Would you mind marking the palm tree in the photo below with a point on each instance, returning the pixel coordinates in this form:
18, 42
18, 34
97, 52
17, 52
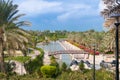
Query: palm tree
109, 41
111, 8
11, 36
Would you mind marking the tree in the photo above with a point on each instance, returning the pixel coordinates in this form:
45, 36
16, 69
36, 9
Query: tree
81, 66
48, 71
64, 66
53, 62
110, 5
11, 36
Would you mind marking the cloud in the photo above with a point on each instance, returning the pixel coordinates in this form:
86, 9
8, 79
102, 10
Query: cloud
77, 11
64, 10
36, 7
101, 6
67, 13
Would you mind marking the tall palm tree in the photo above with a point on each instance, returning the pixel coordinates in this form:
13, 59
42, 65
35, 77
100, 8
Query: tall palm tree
111, 8
109, 41
11, 36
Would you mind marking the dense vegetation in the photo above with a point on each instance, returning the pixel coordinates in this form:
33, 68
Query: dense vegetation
21, 59
54, 71
100, 75
103, 41
12, 37
33, 66
47, 36
48, 71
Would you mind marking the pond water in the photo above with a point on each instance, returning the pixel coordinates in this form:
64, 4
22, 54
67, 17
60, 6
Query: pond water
55, 46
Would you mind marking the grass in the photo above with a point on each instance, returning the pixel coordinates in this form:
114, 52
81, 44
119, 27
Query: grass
100, 75
19, 58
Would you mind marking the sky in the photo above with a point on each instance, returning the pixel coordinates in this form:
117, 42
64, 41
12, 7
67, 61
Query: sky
70, 15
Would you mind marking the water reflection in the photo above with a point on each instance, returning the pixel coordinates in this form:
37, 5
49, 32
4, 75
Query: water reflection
55, 46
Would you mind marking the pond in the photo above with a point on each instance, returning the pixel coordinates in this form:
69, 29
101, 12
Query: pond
55, 46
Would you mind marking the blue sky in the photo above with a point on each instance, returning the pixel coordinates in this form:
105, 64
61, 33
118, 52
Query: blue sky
71, 15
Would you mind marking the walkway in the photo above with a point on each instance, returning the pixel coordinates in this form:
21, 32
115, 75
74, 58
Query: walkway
67, 52
46, 59
19, 68
68, 46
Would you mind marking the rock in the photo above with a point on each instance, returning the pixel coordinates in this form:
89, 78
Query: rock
74, 67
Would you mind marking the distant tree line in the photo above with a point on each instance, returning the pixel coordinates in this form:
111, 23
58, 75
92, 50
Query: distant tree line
103, 41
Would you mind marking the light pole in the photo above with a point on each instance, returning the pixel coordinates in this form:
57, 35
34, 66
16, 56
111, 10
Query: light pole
94, 64
117, 23
113, 16
93, 45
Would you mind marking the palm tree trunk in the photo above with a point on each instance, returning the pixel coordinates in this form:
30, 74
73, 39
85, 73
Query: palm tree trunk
2, 57
2, 65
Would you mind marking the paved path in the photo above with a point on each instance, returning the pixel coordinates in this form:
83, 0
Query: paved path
46, 59
19, 68
36, 53
68, 46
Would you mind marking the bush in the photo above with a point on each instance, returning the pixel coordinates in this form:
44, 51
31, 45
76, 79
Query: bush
19, 58
2, 75
48, 71
104, 75
81, 66
109, 52
33, 66
64, 66
55, 63
101, 74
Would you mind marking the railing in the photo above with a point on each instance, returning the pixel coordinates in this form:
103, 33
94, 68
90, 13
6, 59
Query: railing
67, 52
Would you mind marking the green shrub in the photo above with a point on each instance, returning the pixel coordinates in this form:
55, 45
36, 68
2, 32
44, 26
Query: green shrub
33, 66
56, 64
109, 52
2, 75
64, 66
53, 61
104, 75
81, 66
19, 58
101, 74
48, 71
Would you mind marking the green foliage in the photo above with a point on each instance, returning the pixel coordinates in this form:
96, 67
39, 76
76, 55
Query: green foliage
81, 66
15, 37
19, 58
71, 76
46, 36
64, 66
100, 75
109, 52
48, 71
9, 66
55, 63
2, 75
33, 65
40, 50
103, 40
104, 75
